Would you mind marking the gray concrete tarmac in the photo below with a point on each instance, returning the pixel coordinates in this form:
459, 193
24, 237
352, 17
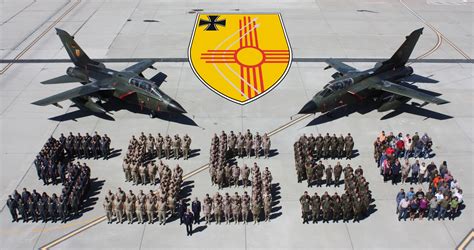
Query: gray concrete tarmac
316, 29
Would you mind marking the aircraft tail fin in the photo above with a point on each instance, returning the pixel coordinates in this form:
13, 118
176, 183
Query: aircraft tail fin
401, 56
77, 55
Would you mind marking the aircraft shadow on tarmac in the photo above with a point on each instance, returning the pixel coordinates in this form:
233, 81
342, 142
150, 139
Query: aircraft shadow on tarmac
369, 106
113, 105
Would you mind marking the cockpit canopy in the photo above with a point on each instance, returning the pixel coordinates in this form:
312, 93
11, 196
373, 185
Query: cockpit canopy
335, 86
146, 85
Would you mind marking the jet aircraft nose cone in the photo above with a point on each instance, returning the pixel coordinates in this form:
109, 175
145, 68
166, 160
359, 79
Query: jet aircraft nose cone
174, 107
309, 108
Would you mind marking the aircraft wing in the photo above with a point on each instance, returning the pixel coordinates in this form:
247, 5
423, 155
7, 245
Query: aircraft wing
69, 94
408, 92
140, 66
62, 79
339, 66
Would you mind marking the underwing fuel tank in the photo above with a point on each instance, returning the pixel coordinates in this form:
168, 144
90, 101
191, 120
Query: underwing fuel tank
88, 104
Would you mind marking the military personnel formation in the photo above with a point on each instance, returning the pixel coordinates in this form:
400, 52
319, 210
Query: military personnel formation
52, 161
87, 146
148, 147
225, 147
309, 148
238, 208
353, 204
151, 173
154, 206
66, 206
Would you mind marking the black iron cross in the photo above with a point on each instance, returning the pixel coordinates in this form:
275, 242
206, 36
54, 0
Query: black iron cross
211, 23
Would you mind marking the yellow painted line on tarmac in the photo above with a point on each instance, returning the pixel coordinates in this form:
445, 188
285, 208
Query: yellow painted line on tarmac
62, 227
441, 37
73, 233
2, 71
465, 242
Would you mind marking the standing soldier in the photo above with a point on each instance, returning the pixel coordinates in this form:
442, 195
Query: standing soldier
319, 146
103, 148
227, 208
248, 145
220, 177
161, 204
22, 209
348, 145
315, 207
328, 175
357, 209
186, 146
167, 146
52, 207
228, 175
196, 208
32, 210
305, 200
326, 207
266, 145
235, 175
236, 207
12, 205
171, 204
85, 145
240, 145
62, 209
340, 146
159, 146
134, 172
142, 170
150, 210
176, 146
129, 210
319, 173
336, 208
127, 170
150, 146
300, 170
333, 146
256, 207
257, 143
119, 207
326, 145
108, 209
346, 208
207, 208
245, 175
309, 173
267, 205
245, 207
232, 143
337, 173
152, 169
217, 208
139, 210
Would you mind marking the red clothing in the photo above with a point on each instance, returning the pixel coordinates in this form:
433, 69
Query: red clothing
389, 151
400, 145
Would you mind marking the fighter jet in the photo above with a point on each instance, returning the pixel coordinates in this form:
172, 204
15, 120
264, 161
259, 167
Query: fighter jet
382, 83
100, 84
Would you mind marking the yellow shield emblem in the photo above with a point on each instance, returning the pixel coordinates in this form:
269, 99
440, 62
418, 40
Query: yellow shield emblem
241, 56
